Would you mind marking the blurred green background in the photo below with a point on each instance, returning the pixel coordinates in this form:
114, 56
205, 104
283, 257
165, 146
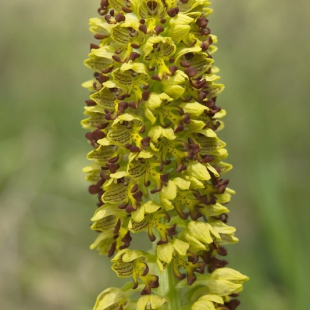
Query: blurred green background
44, 205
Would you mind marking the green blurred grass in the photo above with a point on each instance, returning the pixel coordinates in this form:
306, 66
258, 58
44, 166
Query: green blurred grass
45, 208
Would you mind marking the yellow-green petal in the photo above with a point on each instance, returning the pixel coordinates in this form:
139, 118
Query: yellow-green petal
150, 302
110, 299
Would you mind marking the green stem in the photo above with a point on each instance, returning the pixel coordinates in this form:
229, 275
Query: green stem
167, 283
174, 297
167, 280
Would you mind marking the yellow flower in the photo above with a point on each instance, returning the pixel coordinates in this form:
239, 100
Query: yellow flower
149, 302
207, 302
111, 298
166, 252
157, 160
128, 263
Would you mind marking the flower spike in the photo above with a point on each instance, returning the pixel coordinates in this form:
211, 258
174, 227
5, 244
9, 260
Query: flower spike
157, 161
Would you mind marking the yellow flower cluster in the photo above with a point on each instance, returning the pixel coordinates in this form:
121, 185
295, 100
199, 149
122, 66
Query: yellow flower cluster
157, 162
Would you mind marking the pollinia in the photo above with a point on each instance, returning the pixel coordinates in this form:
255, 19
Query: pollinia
157, 162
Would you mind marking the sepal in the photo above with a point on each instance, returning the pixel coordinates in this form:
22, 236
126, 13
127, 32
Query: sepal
154, 302
111, 299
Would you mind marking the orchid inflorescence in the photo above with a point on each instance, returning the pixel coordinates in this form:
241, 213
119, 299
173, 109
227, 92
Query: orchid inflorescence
157, 162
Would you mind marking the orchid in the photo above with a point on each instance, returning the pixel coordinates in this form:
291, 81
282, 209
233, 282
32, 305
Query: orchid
157, 160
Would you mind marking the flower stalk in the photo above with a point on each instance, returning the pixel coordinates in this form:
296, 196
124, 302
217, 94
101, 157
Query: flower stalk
157, 162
